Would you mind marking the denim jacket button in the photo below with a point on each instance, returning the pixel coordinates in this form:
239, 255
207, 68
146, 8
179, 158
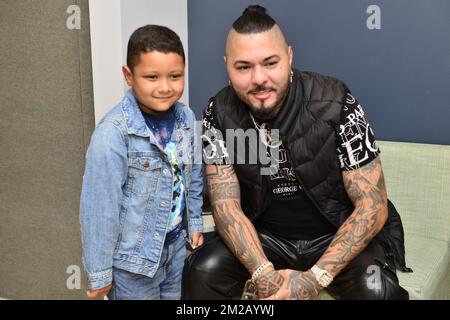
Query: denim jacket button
165, 171
146, 164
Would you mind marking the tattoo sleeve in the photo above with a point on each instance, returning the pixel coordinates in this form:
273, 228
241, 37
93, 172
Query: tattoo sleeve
366, 188
231, 223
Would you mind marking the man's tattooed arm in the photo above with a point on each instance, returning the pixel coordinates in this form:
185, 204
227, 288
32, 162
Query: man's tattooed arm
367, 190
235, 228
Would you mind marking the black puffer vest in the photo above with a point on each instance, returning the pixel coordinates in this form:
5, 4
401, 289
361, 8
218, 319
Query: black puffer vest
307, 123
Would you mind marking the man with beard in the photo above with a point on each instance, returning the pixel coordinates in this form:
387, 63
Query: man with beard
322, 220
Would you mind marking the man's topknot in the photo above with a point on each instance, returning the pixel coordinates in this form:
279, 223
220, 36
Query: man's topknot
254, 19
254, 9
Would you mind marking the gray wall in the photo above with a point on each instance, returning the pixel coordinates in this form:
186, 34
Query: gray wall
46, 120
400, 73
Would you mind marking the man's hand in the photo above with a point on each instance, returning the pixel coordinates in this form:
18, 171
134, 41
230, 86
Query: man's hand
269, 283
96, 293
297, 286
196, 240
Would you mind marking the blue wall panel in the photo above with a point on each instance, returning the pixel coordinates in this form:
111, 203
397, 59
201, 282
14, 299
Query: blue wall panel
400, 73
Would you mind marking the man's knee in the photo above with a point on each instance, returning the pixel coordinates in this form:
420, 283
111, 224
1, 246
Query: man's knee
370, 276
380, 283
212, 272
204, 260
368, 283
197, 272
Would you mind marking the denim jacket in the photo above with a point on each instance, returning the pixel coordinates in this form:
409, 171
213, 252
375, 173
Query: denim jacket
127, 192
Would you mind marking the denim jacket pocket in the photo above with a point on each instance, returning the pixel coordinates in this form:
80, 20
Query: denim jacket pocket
144, 172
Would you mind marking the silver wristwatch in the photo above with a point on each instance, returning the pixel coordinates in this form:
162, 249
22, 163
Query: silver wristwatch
322, 276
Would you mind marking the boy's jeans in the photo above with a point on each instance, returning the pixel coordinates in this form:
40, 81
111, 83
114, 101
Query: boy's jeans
165, 285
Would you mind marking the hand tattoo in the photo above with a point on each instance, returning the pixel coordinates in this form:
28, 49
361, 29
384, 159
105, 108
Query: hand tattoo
301, 285
269, 283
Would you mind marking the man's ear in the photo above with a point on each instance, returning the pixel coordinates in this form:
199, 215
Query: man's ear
127, 74
290, 55
225, 59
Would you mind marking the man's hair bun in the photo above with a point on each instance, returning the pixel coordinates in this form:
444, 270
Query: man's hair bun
254, 19
254, 9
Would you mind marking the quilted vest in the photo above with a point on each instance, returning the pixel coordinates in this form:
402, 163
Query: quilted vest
307, 124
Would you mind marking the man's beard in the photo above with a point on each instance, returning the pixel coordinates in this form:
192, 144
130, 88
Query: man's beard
266, 113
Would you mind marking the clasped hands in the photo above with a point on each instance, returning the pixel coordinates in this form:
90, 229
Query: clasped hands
287, 284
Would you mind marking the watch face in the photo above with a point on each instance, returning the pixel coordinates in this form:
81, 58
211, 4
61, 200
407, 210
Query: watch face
322, 276
325, 280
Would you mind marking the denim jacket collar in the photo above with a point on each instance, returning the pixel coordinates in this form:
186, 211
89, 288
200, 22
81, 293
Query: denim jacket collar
135, 121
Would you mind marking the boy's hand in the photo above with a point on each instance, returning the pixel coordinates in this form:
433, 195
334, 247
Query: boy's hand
96, 293
197, 240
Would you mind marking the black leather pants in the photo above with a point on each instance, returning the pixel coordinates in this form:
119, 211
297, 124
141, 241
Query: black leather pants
213, 272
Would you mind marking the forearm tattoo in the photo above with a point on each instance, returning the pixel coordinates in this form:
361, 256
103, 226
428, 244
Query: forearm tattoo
231, 223
366, 188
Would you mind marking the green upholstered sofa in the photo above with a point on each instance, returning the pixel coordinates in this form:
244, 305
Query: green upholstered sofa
418, 183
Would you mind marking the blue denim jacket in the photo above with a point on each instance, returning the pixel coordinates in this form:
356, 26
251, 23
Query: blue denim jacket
127, 192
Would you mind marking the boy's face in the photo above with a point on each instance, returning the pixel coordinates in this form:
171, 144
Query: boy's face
157, 80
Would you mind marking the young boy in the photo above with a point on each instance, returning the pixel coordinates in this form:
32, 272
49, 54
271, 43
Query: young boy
142, 191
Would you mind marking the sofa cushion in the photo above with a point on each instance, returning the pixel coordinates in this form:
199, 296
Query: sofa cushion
430, 260
418, 183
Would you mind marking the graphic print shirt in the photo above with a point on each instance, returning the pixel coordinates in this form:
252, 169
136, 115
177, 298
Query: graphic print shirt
162, 127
